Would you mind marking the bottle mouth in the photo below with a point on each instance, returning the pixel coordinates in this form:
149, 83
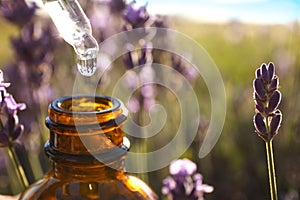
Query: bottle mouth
86, 110
86, 104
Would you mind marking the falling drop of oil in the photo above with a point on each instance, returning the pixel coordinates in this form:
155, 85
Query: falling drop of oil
87, 66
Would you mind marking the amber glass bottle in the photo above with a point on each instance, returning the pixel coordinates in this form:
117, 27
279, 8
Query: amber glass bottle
87, 153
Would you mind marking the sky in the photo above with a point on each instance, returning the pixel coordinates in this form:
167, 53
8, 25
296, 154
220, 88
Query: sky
254, 11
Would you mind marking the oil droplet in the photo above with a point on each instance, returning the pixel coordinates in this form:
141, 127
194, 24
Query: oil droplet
87, 50
87, 66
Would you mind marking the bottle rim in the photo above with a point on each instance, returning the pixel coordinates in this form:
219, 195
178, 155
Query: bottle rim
107, 109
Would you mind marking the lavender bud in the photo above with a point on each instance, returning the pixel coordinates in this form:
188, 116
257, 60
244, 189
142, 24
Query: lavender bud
12, 105
198, 178
260, 125
275, 123
18, 131
258, 98
258, 73
274, 84
274, 101
259, 108
259, 89
168, 185
128, 62
265, 73
12, 120
143, 57
271, 71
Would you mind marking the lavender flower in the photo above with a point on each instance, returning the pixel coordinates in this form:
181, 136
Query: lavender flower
17, 11
268, 117
136, 17
34, 45
33, 68
186, 69
267, 98
34, 52
143, 59
10, 129
184, 182
128, 60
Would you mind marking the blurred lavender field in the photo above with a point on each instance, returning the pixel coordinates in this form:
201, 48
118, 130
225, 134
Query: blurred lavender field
236, 167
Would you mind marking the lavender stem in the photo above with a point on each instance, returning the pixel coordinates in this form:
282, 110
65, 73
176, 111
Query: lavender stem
271, 169
17, 166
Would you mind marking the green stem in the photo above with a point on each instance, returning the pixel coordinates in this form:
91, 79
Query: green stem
18, 167
142, 146
271, 169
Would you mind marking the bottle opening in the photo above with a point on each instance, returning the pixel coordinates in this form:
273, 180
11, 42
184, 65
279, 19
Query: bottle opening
86, 109
85, 104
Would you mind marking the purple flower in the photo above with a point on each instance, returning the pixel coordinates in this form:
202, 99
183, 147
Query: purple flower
200, 188
128, 60
136, 17
186, 69
133, 105
184, 182
146, 54
267, 97
33, 65
10, 129
169, 185
3, 85
34, 46
148, 103
17, 11
182, 167
142, 55
143, 59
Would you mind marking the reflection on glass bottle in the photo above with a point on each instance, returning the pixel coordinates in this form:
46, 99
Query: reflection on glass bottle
87, 153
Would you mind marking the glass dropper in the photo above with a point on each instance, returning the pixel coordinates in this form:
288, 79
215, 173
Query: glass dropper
75, 28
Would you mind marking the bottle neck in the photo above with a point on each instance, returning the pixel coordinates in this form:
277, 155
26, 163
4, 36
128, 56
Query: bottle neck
86, 172
86, 138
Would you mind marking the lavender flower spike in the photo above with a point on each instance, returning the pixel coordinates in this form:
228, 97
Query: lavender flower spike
184, 182
268, 117
17, 11
10, 129
136, 16
267, 97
